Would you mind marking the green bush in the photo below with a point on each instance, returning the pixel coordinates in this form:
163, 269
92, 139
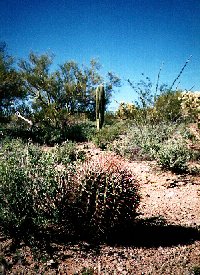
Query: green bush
108, 194
90, 197
109, 133
85, 271
174, 155
164, 142
195, 270
32, 189
168, 106
79, 132
47, 134
143, 141
109, 118
67, 152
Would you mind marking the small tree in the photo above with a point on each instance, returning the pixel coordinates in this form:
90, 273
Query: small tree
65, 92
159, 103
11, 88
168, 106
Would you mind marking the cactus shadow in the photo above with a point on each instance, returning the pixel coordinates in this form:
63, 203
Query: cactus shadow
153, 232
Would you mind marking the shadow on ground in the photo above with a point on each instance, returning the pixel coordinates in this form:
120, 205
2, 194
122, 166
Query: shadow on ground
147, 233
153, 232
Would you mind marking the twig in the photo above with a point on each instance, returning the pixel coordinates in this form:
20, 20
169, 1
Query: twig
25, 119
181, 71
177, 85
158, 78
190, 88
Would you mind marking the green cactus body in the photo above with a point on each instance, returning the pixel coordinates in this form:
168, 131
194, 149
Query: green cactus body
100, 106
109, 194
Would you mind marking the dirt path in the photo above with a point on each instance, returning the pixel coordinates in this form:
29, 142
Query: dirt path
174, 197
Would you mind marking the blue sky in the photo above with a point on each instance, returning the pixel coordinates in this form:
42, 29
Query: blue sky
128, 37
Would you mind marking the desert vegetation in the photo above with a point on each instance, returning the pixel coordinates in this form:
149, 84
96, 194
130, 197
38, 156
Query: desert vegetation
68, 170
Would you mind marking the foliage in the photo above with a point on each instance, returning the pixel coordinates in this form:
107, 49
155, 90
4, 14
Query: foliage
11, 85
164, 142
67, 153
85, 271
174, 155
159, 103
108, 194
110, 118
190, 105
196, 270
168, 106
143, 141
143, 88
31, 188
67, 91
126, 111
55, 187
108, 134
75, 131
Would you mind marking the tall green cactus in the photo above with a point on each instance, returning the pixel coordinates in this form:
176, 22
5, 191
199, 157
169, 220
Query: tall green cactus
100, 106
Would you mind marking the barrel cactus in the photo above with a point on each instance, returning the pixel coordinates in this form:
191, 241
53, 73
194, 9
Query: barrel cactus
108, 194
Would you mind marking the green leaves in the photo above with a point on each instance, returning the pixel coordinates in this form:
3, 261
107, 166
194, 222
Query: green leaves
69, 90
168, 106
30, 187
174, 155
39, 188
168, 143
11, 85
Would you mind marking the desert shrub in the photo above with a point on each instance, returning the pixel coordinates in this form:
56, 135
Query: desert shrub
167, 106
109, 118
174, 155
67, 152
143, 141
109, 133
51, 135
164, 142
89, 197
39, 135
108, 194
17, 132
32, 189
136, 114
190, 106
79, 132
195, 270
126, 110
86, 271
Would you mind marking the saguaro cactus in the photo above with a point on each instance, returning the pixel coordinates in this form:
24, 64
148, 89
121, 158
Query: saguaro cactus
100, 106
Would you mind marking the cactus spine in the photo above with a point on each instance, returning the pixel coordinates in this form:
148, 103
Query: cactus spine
100, 106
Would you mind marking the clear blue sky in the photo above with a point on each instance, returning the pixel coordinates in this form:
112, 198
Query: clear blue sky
128, 37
